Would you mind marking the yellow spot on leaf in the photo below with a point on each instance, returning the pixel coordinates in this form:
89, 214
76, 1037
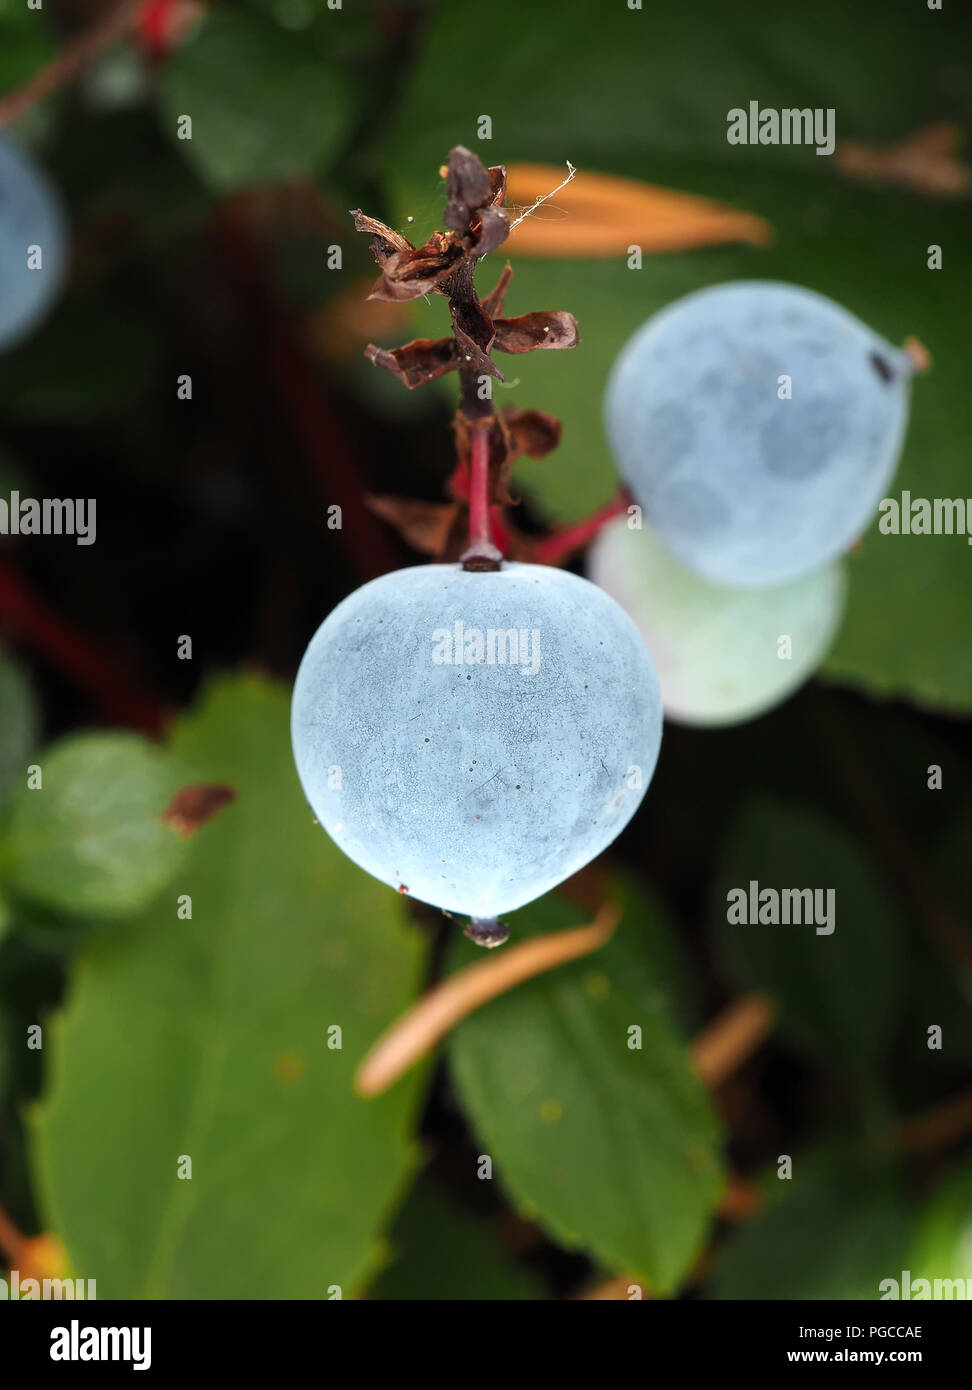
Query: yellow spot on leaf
597, 985
551, 1112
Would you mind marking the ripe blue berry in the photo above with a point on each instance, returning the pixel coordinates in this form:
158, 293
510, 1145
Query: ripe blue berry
33, 244
472, 739
758, 425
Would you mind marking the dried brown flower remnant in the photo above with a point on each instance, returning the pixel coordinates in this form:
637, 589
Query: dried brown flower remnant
192, 806
476, 224
428, 527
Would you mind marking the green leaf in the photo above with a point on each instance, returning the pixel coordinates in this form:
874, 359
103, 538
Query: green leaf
608, 1147
658, 955
265, 106
942, 1244
18, 723
441, 1253
833, 1230
651, 115
90, 840
837, 992
25, 43
653, 85
209, 1038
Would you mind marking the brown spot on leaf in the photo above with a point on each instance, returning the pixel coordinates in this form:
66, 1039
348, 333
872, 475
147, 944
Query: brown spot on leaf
288, 1067
193, 806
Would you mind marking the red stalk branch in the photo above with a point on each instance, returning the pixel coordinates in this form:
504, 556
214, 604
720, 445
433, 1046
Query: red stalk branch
482, 553
30, 621
553, 550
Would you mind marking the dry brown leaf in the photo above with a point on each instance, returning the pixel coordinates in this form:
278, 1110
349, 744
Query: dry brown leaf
426, 526
926, 161
728, 1040
417, 362
602, 215
422, 1026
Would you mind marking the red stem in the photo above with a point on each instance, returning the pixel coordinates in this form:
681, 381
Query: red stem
482, 553
27, 619
479, 490
552, 550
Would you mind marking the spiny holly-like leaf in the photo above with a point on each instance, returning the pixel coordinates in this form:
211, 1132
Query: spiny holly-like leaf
213, 1038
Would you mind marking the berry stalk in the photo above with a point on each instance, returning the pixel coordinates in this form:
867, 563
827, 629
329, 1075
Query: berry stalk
482, 553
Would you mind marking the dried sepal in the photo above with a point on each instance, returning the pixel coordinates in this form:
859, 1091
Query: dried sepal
497, 184
384, 241
472, 212
529, 332
425, 526
495, 300
476, 224
417, 362
416, 270
534, 433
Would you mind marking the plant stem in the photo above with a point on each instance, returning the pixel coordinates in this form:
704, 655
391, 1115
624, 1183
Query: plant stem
482, 553
72, 62
554, 549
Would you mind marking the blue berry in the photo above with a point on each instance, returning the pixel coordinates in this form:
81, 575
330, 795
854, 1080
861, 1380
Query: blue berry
32, 227
723, 655
476, 784
746, 486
